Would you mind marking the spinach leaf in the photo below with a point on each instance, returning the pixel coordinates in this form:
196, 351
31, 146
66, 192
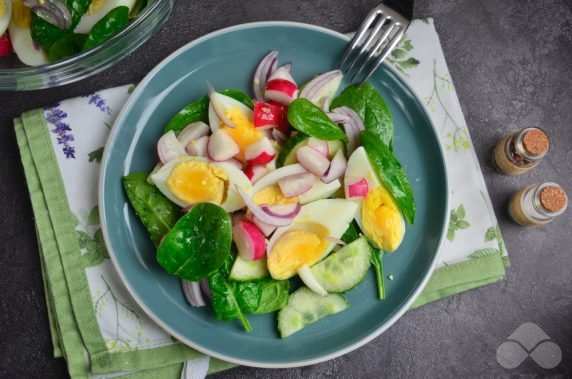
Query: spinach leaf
248, 295
199, 110
376, 261
371, 107
46, 34
112, 23
223, 299
157, 213
198, 244
390, 173
306, 117
274, 295
68, 45
351, 234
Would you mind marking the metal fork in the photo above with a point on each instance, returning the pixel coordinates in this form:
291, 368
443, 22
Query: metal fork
373, 46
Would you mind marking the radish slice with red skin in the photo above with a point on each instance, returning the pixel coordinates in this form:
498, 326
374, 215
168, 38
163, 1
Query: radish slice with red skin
254, 173
221, 146
320, 146
268, 115
297, 184
312, 160
192, 132
337, 167
287, 211
198, 147
259, 152
261, 214
193, 294
168, 147
281, 87
266, 229
357, 189
263, 72
249, 240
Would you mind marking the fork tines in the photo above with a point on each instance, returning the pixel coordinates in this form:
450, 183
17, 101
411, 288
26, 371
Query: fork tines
372, 45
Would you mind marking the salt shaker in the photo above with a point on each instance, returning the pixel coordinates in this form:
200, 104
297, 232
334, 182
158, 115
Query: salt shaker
538, 204
520, 151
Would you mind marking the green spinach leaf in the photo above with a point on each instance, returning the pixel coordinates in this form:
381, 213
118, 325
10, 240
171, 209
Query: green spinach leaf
198, 244
306, 117
376, 261
351, 234
274, 295
199, 110
248, 295
68, 45
371, 107
157, 213
112, 23
390, 173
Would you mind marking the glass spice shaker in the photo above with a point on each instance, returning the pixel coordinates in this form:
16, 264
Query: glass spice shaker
521, 151
538, 204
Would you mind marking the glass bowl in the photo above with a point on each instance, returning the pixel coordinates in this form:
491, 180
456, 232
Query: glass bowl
15, 76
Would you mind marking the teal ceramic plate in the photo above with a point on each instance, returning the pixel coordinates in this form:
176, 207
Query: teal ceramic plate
227, 59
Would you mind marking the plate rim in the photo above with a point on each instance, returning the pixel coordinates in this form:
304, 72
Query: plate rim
167, 328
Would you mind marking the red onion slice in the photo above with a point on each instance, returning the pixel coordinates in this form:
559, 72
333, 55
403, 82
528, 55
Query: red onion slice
192, 291
55, 12
192, 132
262, 74
297, 184
288, 211
168, 147
264, 228
312, 160
204, 284
319, 145
337, 167
352, 124
318, 83
357, 189
261, 214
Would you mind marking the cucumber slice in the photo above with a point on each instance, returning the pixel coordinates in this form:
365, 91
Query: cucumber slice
287, 154
344, 269
243, 270
306, 307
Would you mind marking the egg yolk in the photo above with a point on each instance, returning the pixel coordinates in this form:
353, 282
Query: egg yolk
381, 219
272, 195
21, 14
245, 133
293, 250
94, 6
2, 8
197, 182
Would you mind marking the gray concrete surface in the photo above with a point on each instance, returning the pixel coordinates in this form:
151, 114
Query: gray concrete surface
511, 62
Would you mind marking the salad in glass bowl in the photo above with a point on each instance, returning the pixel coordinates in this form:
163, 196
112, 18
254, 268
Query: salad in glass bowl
281, 203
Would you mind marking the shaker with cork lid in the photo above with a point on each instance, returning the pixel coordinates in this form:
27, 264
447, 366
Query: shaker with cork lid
538, 204
521, 151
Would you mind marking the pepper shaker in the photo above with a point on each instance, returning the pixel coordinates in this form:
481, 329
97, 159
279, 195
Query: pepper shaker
538, 204
521, 151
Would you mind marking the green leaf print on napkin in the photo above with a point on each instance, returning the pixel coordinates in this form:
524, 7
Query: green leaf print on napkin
494, 233
96, 155
400, 58
457, 222
93, 250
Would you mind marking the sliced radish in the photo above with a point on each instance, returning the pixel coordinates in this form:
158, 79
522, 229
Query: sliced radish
235, 162
312, 160
193, 294
168, 147
337, 167
265, 68
319, 145
259, 213
5, 45
287, 66
221, 146
192, 132
249, 240
198, 147
266, 229
357, 189
268, 115
282, 210
254, 173
259, 152
310, 280
297, 184
281, 87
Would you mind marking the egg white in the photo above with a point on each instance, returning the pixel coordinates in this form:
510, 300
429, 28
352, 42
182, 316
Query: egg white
88, 20
227, 103
24, 46
5, 20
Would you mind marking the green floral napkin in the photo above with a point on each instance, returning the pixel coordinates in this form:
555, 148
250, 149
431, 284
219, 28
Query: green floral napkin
101, 331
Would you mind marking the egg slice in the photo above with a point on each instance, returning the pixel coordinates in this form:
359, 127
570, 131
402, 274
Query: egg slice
24, 47
97, 10
266, 190
192, 180
306, 241
378, 216
5, 13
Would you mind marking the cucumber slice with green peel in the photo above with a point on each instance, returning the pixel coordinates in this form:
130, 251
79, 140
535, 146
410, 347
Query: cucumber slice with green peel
243, 270
287, 155
306, 307
344, 269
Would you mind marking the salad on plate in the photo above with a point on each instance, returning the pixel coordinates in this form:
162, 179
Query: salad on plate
39, 32
276, 204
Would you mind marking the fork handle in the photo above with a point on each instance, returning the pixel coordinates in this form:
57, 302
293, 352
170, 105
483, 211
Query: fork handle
404, 7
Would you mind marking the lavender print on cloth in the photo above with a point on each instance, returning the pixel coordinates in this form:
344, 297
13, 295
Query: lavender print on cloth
55, 116
99, 102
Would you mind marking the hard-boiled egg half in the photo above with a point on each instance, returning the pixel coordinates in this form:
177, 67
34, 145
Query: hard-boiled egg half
97, 10
378, 215
307, 240
24, 47
191, 180
5, 13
